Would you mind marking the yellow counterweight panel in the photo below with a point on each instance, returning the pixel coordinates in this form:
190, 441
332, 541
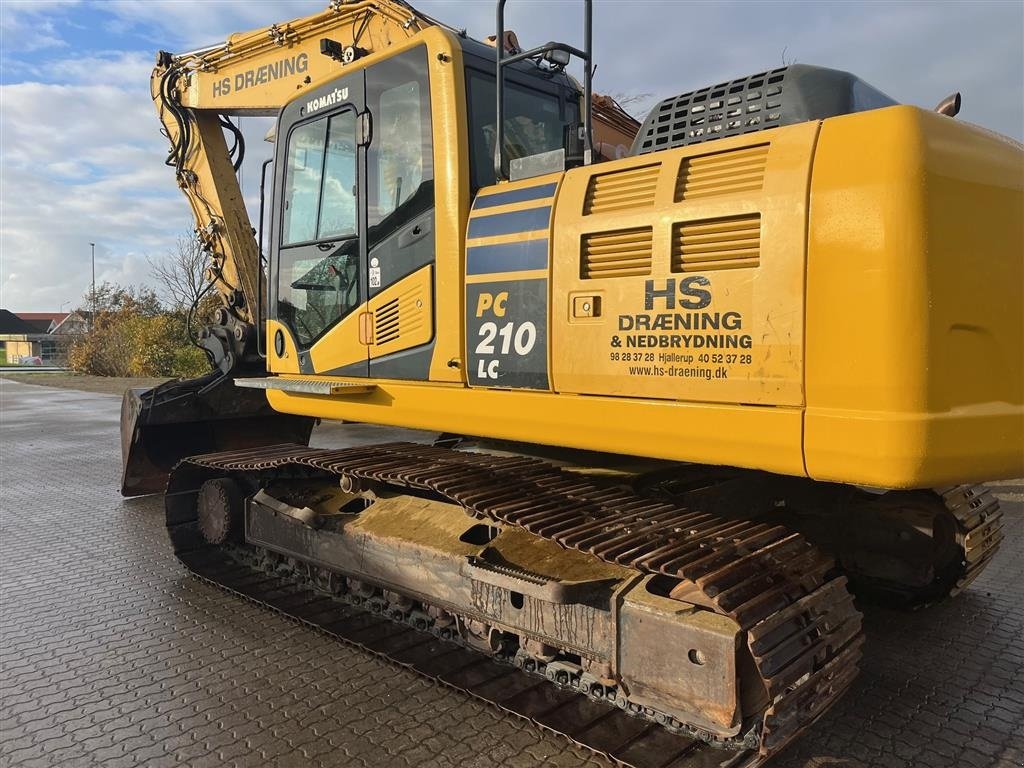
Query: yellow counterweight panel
680, 274
765, 438
914, 302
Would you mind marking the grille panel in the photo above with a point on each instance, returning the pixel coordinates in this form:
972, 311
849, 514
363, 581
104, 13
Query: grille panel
714, 244
622, 253
622, 190
385, 323
727, 109
784, 96
722, 173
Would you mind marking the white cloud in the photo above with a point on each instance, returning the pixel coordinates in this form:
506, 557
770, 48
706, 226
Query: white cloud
190, 25
128, 69
24, 26
80, 164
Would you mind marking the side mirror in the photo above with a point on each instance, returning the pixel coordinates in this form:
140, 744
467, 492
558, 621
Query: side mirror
949, 106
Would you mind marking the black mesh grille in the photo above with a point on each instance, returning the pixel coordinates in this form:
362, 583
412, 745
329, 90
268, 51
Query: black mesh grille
768, 99
726, 109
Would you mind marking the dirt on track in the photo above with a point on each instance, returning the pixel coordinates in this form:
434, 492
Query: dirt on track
107, 385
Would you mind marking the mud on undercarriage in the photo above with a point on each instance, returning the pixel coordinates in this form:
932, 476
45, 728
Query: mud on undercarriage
673, 627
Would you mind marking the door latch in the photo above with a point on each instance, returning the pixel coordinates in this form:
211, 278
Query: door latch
364, 129
366, 328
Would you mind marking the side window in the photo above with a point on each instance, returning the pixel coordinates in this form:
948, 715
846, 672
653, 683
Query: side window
400, 161
302, 182
320, 181
319, 284
400, 157
533, 123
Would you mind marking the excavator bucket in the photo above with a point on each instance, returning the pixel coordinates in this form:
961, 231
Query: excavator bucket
163, 425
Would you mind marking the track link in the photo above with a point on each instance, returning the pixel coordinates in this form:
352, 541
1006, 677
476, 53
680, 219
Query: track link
979, 532
598, 726
802, 630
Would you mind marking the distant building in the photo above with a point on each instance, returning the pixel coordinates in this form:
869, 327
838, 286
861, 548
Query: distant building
73, 323
17, 338
45, 335
44, 322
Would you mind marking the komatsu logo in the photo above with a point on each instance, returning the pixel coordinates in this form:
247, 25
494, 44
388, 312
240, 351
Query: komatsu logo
262, 75
337, 96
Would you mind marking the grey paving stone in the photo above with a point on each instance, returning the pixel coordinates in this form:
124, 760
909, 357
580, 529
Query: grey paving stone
111, 654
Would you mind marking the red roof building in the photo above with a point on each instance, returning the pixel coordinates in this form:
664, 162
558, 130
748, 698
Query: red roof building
44, 322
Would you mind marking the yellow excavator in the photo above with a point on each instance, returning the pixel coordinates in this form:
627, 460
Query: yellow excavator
692, 380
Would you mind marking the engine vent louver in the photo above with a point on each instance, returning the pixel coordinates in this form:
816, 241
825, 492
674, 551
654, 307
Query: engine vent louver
622, 190
711, 244
621, 253
385, 323
722, 173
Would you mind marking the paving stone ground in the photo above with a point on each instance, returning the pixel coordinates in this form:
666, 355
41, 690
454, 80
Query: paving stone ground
111, 654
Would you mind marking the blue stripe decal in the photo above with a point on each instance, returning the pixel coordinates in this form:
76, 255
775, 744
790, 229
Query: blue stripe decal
507, 257
510, 223
514, 196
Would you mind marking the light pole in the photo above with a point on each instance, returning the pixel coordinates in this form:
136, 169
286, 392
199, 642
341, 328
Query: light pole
92, 320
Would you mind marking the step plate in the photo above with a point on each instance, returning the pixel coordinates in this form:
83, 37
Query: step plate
313, 386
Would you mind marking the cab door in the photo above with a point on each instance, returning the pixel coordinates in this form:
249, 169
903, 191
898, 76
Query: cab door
355, 265
318, 270
399, 322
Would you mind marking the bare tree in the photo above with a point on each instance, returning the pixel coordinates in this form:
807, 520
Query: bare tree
180, 272
635, 104
112, 298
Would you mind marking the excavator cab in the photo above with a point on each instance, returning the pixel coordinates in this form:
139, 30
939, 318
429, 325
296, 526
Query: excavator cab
361, 213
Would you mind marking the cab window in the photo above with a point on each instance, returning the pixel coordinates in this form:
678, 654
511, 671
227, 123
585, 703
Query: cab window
400, 159
320, 181
534, 123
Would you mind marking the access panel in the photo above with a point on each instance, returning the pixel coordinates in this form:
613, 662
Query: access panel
507, 285
680, 274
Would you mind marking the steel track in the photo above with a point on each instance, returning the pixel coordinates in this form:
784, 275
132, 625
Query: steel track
597, 726
802, 630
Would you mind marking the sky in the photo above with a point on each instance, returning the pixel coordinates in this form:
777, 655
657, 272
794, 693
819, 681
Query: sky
81, 156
